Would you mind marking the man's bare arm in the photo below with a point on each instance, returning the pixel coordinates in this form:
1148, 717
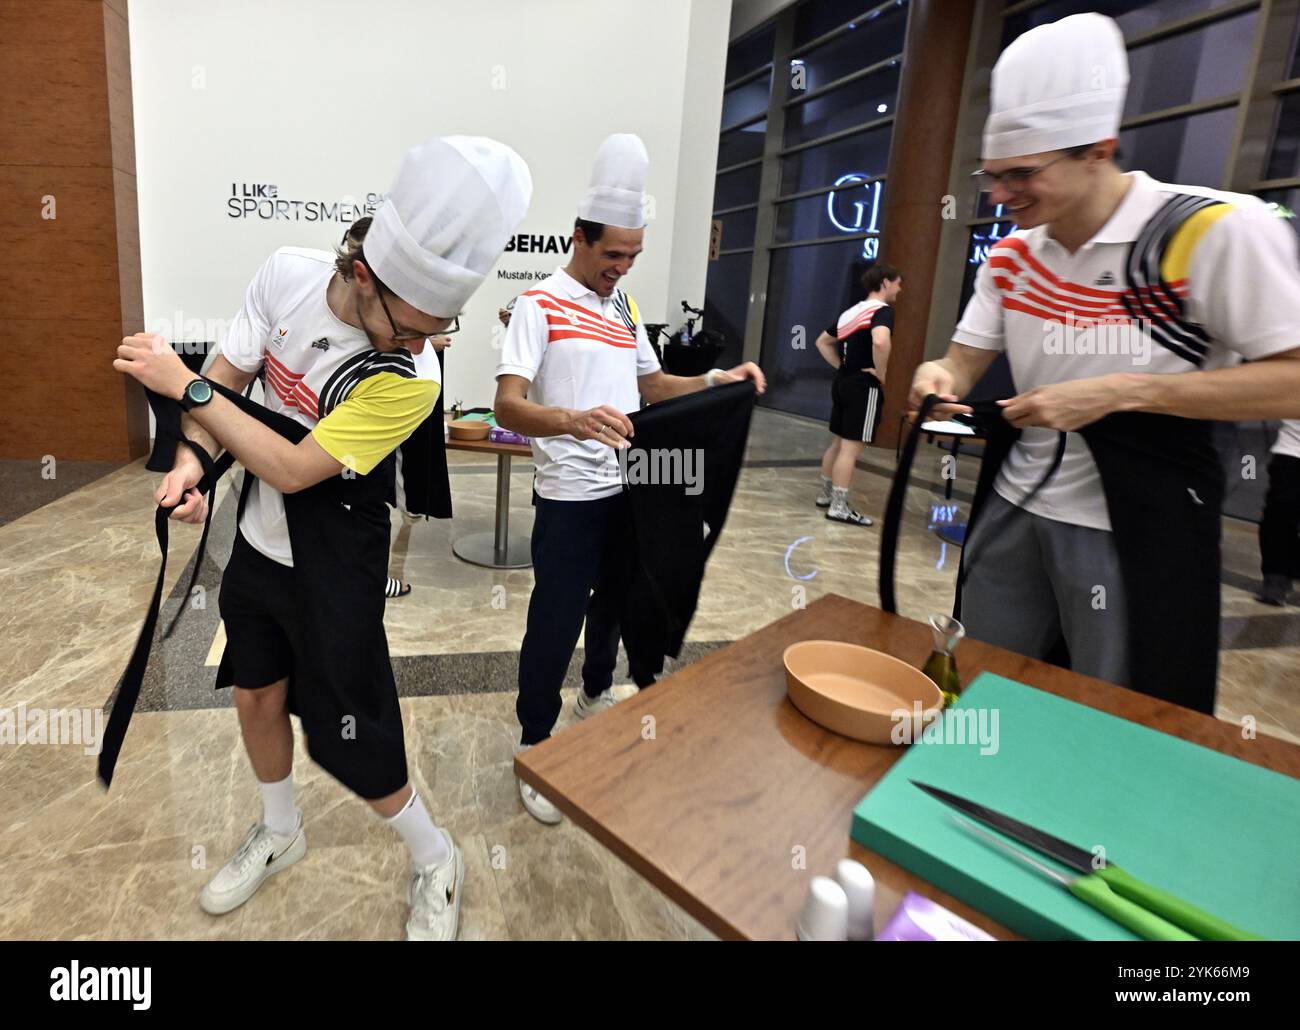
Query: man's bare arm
951, 377
514, 411
178, 487
660, 386
828, 347
881, 342
223, 372
1265, 389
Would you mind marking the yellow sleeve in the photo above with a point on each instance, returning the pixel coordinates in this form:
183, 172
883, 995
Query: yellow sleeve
1178, 254
377, 416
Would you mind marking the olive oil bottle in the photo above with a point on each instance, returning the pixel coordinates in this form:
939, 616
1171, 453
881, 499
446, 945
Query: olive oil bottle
941, 666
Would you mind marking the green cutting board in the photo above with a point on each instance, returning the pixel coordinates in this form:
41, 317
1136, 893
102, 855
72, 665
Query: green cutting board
1212, 829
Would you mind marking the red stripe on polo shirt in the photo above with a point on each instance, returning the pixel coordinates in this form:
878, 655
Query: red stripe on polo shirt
290, 387
572, 312
1094, 300
1033, 293
1021, 248
285, 394
568, 332
555, 322
550, 302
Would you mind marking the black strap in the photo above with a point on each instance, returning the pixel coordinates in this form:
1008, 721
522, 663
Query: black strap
894, 506
898, 495
128, 688
212, 472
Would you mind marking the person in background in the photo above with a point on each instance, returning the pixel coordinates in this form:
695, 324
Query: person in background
576, 358
1279, 529
857, 347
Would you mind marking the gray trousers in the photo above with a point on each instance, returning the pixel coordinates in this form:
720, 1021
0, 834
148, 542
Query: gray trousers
1032, 580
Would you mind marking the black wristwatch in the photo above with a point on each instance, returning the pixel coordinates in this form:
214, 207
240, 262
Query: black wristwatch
196, 394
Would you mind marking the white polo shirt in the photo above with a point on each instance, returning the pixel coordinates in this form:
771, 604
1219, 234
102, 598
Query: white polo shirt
1061, 316
579, 351
1288, 439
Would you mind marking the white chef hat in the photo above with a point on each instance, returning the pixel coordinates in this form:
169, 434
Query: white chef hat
455, 203
1056, 86
616, 195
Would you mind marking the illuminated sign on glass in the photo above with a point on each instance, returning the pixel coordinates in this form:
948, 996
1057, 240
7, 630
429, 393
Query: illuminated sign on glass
981, 242
849, 215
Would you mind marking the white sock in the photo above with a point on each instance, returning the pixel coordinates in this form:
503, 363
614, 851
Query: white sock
278, 810
839, 499
826, 486
428, 844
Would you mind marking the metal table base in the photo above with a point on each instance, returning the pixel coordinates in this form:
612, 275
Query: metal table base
498, 549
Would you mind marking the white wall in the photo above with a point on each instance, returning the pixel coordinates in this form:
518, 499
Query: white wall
701, 116
322, 98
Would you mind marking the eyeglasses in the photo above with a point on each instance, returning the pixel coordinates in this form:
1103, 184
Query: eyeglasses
405, 335
1014, 179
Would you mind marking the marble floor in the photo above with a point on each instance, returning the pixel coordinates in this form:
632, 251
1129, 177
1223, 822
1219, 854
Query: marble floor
77, 572
28, 485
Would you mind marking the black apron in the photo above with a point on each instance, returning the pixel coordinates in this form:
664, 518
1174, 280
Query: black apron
426, 486
342, 685
1164, 494
667, 546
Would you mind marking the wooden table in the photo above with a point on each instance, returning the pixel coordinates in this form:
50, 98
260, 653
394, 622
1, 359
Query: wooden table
715, 808
498, 549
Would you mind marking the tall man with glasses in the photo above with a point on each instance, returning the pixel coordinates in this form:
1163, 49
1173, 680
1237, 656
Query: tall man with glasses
1124, 306
337, 338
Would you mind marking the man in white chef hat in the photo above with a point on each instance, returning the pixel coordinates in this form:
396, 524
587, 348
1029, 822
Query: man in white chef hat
335, 337
575, 360
1116, 294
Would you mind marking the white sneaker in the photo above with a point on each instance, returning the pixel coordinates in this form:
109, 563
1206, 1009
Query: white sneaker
538, 807
435, 898
262, 854
584, 706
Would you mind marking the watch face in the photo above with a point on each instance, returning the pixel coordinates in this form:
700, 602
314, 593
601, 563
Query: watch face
198, 392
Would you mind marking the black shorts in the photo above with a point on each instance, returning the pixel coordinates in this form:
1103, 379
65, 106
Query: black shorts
256, 602
340, 683
856, 407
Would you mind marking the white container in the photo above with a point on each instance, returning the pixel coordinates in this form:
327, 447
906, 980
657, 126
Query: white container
860, 890
825, 915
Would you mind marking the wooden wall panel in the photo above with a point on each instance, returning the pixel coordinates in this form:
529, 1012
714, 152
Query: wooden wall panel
68, 131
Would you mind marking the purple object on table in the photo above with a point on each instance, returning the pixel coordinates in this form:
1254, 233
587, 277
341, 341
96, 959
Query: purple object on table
499, 435
920, 919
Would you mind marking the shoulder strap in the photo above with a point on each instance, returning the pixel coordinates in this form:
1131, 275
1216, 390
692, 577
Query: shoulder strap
1153, 298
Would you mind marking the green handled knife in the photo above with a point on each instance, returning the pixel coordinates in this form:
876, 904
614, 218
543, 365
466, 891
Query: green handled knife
1102, 882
